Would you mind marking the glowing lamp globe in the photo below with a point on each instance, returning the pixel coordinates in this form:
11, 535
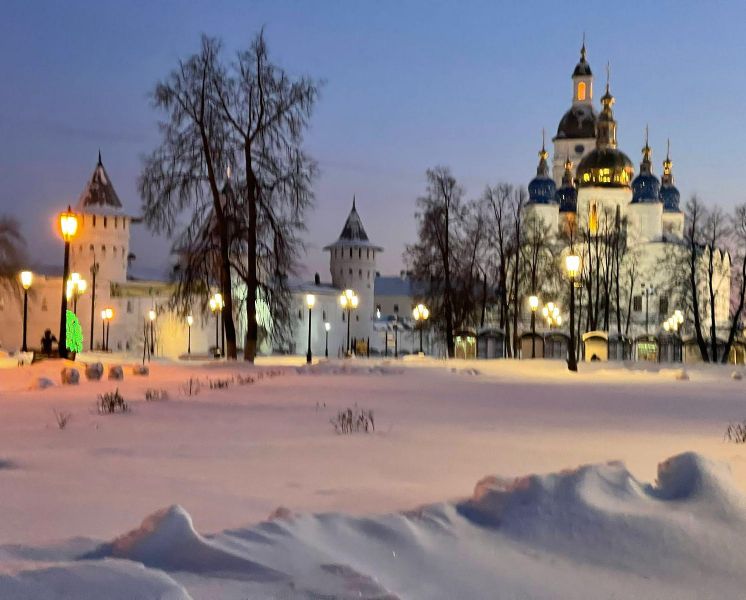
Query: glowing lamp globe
533, 302
68, 224
27, 278
572, 265
310, 300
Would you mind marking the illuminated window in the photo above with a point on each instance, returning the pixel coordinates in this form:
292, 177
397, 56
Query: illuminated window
581, 90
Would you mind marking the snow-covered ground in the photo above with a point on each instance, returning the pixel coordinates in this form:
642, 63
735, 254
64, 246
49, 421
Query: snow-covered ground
247, 492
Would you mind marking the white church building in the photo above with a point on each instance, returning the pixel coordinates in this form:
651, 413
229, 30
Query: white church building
592, 180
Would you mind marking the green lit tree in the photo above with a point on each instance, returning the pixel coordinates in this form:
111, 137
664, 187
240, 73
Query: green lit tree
74, 338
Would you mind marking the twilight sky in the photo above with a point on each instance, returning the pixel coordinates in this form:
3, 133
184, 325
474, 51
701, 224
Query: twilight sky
409, 85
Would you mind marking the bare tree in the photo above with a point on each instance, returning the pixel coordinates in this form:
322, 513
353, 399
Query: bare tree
11, 244
500, 199
183, 173
440, 217
738, 232
695, 215
267, 113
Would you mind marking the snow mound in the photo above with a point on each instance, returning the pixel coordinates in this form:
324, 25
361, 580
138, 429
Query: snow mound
736, 375
167, 540
113, 580
593, 532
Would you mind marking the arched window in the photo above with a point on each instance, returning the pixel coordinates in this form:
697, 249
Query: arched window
581, 90
116, 222
105, 220
360, 253
94, 220
350, 271
360, 273
350, 252
367, 253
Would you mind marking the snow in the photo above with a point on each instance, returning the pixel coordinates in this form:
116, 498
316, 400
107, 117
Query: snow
467, 489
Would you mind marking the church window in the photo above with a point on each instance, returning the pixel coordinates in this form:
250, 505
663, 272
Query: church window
360, 253
105, 221
350, 252
367, 253
94, 220
103, 249
360, 273
116, 222
637, 303
350, 272
581, 90
663, 306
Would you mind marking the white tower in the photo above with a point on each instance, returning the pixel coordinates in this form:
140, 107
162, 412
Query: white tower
352, 261
103, 231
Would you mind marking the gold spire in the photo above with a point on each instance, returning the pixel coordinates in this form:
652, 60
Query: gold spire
567, 178
667, 165
582, 49
543, 169
543, 154
646, 166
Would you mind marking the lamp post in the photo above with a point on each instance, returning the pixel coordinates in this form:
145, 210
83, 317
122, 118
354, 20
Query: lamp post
216, 305
572, 266
75, 287
310, 301
648, 290
421, 314
68, 227
27, 277
190, 322
106, 316
533, 302
348, 300
151, 316
327, 327
94, 272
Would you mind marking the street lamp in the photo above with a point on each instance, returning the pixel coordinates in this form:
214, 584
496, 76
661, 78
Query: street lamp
648, 290
106, 316
327, 327
190, 322
421, 314
75, 287
68, 228
216, 305
533, 302
94, 272
572, 266
348, 300
310, 301
26, 277
151, 316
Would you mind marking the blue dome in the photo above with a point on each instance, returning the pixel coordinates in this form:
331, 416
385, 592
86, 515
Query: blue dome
645, 188
567, 198
669, 195
541, 190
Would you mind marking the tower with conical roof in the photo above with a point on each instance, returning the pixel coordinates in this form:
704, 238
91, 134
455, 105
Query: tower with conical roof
352, 262
542, 190
673, 217
103, 230
576, 132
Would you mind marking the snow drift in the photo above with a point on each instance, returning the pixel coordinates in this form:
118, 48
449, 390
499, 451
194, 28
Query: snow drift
591, 532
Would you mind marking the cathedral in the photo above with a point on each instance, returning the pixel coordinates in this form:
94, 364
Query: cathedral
593, 185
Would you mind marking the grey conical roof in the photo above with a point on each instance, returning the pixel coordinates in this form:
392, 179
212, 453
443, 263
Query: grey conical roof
353, 232
99, 195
